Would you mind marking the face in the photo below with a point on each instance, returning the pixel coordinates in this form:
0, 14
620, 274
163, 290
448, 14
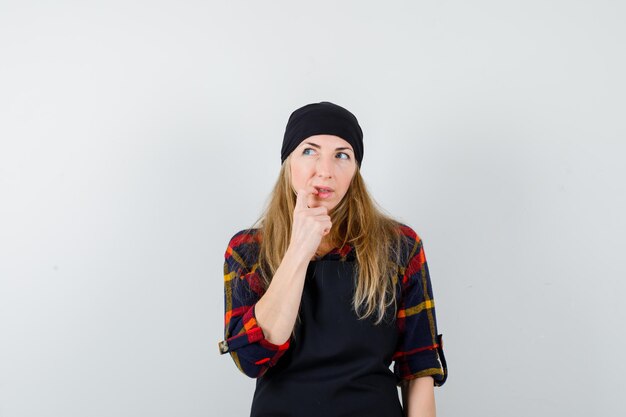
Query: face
325, 162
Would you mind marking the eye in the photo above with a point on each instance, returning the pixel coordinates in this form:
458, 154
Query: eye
305, 151
345, 155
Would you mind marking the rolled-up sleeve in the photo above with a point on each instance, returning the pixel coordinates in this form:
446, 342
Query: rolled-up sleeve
419, 351
243, 337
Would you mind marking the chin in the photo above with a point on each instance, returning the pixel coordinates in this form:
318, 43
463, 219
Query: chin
328, 204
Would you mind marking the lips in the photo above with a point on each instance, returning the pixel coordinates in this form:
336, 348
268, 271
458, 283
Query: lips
324, 189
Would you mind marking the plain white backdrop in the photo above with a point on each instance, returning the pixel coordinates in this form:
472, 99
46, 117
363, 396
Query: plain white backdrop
136, 137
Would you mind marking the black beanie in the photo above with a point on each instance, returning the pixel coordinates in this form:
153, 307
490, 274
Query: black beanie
319, 119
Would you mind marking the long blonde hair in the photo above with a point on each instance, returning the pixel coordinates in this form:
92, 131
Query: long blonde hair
356, 220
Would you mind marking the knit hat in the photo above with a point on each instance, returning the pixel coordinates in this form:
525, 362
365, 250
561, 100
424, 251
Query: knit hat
318, 119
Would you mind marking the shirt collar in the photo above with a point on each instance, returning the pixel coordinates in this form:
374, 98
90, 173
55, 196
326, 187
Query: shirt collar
345, 253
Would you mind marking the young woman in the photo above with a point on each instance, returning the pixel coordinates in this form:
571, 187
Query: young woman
327, 291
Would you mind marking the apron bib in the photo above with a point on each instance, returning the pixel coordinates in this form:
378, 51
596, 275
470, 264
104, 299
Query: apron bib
337, 365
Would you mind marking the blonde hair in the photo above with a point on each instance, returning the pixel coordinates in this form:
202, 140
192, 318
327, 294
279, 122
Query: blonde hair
356, 220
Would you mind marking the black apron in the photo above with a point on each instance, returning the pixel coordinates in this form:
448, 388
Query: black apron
337, 366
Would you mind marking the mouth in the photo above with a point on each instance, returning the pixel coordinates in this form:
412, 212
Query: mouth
324, 189
324, 192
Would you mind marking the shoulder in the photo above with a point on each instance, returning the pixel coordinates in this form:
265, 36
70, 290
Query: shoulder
410, 242
245, 237
244, 247
408, 233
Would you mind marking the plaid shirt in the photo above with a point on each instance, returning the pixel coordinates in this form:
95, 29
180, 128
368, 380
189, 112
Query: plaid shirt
419, 351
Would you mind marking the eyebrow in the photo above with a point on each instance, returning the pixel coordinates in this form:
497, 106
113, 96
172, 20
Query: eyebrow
337, 149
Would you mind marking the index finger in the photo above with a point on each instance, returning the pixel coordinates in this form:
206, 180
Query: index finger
303, 195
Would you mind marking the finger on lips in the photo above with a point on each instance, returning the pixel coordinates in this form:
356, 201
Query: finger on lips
302, 196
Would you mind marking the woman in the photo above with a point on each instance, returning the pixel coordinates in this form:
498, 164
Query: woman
327, 291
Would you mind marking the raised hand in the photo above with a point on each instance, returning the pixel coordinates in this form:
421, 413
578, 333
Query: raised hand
310, 224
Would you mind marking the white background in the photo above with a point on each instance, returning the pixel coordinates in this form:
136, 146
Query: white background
136, 137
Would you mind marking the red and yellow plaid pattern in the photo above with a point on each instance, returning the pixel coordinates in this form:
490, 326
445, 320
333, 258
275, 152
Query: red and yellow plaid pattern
419, 351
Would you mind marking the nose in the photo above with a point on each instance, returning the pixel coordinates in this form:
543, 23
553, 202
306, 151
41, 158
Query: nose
324, 167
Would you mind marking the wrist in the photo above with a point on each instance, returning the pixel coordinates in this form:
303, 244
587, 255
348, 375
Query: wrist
297, 257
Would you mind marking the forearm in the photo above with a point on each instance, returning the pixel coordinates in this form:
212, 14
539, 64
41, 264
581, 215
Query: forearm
277, 309
419, 394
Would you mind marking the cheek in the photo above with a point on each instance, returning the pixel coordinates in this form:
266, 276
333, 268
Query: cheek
345, 184
298, 176
346, 177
